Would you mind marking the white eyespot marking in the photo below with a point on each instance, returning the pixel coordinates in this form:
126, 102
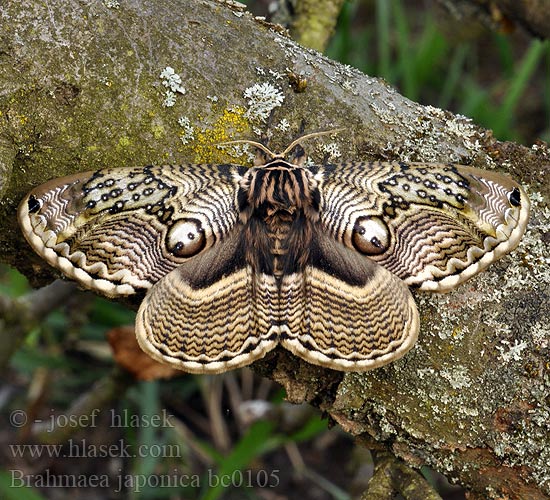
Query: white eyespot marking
186, 238
371, 235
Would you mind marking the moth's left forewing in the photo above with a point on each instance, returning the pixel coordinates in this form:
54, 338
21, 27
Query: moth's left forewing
432, 225
498, 207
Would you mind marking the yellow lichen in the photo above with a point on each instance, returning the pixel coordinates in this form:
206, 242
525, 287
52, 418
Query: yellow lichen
230, 125
158, 131
123, 142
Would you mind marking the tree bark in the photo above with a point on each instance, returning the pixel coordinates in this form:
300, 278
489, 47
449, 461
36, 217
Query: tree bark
80, 88
532, 15
314, 22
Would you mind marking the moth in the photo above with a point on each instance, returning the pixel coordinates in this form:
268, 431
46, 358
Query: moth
235, 260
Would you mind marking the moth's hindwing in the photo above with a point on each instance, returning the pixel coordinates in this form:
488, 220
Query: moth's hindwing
210, 314
120, 230
432, 225
346, 312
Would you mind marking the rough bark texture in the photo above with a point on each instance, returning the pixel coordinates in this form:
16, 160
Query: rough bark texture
80, 88
531, 15
315, 21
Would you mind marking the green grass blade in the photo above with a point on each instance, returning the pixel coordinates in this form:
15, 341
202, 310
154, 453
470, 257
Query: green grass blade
404, 56
383, 38
314, 426
517, 87
258, 440
147, 437
506, 54
10, 488
454, 74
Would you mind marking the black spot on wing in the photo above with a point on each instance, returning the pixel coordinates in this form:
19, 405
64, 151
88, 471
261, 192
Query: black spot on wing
33, 204
515, 198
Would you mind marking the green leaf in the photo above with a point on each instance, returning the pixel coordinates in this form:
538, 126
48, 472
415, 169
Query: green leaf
518, 84
258, 440
12, 489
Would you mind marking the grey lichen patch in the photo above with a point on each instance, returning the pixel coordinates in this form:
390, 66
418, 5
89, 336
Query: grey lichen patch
467, 134
262, 99
234, 5
457, 376
424, 138
173, 83
111, 4
188, 131
283, 125
330, 151
422, 407
271, 73
347, 78
306, 62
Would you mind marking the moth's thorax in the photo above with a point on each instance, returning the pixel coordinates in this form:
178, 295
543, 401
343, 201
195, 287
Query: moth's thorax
280, 208
280, 185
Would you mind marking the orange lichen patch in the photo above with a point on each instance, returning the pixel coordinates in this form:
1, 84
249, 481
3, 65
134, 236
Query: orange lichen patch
500, 482
129, 355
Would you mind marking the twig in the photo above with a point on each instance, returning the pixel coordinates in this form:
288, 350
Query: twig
104, 391
19, 316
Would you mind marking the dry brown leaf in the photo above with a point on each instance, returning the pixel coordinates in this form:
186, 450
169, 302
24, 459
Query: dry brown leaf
129, 355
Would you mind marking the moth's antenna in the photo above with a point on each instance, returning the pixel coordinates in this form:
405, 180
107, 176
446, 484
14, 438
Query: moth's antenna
294, 143
259, 145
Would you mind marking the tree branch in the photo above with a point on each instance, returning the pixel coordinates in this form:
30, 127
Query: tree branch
81, 89
391, 476
531, 15
19, 316
315, 21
